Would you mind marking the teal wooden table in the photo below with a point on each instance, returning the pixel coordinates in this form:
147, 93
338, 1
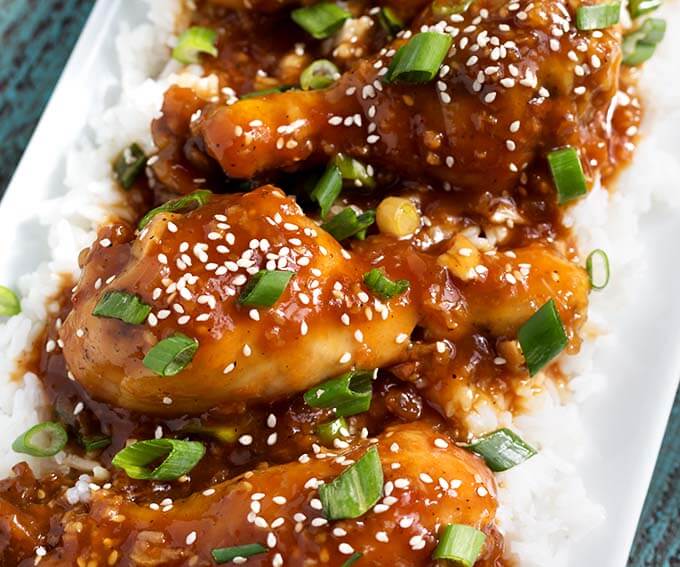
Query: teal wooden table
37, 37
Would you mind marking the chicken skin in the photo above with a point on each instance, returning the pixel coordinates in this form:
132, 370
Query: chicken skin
429, 483
192, 269
515, 84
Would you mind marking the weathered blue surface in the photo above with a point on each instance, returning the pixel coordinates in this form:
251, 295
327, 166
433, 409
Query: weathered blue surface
36, 38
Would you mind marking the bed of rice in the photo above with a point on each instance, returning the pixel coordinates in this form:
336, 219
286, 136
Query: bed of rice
544, 503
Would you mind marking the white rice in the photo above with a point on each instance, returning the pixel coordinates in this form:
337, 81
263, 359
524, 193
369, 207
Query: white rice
544, 506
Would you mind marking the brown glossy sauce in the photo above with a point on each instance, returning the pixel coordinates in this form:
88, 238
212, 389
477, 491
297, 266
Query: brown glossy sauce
449, 355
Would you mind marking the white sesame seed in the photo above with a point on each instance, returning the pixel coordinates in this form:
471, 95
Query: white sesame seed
345, 548
426, 478
191, 538
401, 338
406, 522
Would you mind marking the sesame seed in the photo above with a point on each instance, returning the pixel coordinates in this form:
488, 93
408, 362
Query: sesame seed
426, 478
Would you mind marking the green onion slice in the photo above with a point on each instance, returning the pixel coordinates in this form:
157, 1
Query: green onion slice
460, 544
638, 8
319, 75
183, 204
194, 41
265, 92
9, 302
129, 165
95, 442
384, 287
171, 355
352, 559
598, 16
356, 490
227, 554
542, 337
327, 189
419, 60
265, 288
179, 457
598, 261
347, 224
320, 20
348, 394
42, 440
567, 174
389, 21
353, 170
502, 450
445, 8
122, 305
332, 430
222, 432
639, 45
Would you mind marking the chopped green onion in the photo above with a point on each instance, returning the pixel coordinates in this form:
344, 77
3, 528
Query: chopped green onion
348, 394
129, 165
319, 75
42, 440
320, 20
639, 45
265, 92
389, 21
356, 490
542, 337
448, 8
227, 554
419, 60
598, 257
347, 223
598, 16
265, 288
194, 41
95, 442
171, 355
332, 430
567, 174
352, 559
122, 305
328, 188
179, 457
9, 302
355, 171
502, 450
460, 544
638, 8
384, 287
223, 433
183, 204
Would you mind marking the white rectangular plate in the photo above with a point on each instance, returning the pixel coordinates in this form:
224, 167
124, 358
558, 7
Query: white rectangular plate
626, 421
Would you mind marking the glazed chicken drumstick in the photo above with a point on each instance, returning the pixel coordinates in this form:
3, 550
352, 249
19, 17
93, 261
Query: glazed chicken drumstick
518, 81
192, 269
276, 507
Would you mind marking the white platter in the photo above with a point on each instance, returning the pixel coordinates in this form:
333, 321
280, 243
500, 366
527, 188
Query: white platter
627, 420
